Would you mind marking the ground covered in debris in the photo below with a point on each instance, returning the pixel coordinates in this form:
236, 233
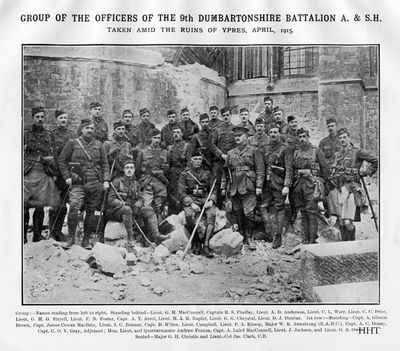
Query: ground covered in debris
52, 275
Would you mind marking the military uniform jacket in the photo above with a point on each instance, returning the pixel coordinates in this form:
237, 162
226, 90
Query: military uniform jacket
268, 118
259, 141
329, 146
223, 139
215, 123
177, 159
123, 153
189, 128
311, 158
151, 162
291, 139
128, 189
133, 134
347, 163
144, 132
203, 139
193, 190
94, 169
247, 169
100, 130
278, 154
167, 138
37, 143
60, 137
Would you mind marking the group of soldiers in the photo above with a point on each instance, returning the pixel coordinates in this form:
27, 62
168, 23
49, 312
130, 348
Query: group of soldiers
141, 174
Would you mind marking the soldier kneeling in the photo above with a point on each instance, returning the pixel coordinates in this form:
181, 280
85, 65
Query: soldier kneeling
125, 202
194, 185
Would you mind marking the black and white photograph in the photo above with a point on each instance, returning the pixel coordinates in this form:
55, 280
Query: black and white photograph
200, 174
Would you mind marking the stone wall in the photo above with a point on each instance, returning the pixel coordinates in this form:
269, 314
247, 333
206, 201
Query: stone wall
69, 78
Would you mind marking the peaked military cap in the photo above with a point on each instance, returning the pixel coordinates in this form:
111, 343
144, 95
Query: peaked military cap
204, 116
118, 124
155, 132
302, 131
343, 131
259, 120
240, 130
143, 111
59, 113
37, 109
94, 104
86, 121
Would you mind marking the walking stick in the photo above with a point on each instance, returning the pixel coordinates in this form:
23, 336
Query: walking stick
133, 219
198, 221
369, 202
103, 206
59, 210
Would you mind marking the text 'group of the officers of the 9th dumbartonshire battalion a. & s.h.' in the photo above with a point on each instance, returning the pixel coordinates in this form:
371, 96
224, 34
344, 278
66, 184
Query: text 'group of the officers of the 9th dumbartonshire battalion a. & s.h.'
138, 175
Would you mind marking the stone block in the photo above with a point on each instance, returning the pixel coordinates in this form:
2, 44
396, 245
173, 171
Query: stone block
115, 230
178, 239
108, 259
338, 263
364, 292
131, 259
160, 254
226, 242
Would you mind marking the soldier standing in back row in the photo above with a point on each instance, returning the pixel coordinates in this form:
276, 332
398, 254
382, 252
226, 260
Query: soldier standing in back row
177, 159
189, 127
60, 136
345, 198
214, 120
259, 140
151, 164
331, 144
132, 132
245, 122
246, 167
278, 159
100, 126
268, 114
167, 137
145, 127
311, 172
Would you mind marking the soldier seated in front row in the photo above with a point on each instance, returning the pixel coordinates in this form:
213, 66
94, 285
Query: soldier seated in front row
125, 202
195, 184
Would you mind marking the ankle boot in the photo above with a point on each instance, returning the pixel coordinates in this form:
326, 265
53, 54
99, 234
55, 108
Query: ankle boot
38, 216
267, 225
249, 233
152, 228
72, 224
343, 232
351, 234
128, 223
280, 220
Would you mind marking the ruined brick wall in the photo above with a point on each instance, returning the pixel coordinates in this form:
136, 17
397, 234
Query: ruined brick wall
371, 120
72, 78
